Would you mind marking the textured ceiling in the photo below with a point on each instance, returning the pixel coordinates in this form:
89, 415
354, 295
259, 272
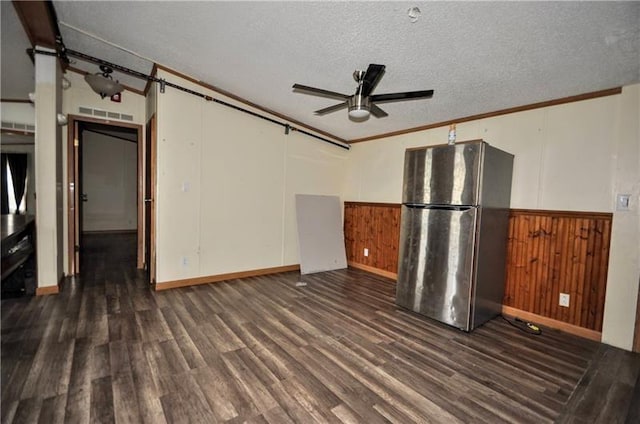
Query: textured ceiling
477, 56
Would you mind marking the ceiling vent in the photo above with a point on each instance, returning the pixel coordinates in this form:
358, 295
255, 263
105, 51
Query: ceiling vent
14, 126
105, 114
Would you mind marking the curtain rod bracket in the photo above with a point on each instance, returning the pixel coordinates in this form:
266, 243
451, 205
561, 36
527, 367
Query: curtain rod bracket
162, 86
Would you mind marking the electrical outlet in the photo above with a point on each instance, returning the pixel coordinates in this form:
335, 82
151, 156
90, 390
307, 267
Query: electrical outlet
185, 261
366, 252
564, 300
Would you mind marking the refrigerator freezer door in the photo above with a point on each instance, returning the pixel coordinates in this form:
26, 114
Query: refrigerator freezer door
443, 175
436, 268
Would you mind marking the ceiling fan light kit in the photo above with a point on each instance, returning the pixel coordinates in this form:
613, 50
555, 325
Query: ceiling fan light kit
362, 103
103, 83
359, 108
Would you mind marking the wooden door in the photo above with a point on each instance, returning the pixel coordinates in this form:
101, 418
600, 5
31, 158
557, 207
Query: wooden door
149, 200
78, 193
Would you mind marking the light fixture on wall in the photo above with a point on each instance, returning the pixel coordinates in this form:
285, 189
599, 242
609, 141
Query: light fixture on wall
103, 83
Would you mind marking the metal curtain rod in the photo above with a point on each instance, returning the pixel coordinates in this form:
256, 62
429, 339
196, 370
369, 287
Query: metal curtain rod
65, 51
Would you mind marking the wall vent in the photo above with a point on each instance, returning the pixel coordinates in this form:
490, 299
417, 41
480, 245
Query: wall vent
15, 126
105, 114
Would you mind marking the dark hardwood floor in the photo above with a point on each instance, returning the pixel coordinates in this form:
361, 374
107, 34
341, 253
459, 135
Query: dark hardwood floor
262, 350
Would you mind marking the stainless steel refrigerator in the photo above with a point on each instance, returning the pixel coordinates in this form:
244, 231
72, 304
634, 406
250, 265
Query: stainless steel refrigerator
454, 229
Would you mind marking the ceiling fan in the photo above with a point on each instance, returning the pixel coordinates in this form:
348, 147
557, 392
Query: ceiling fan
362, 103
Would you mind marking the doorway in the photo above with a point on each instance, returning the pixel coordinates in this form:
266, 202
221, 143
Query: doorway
105, 183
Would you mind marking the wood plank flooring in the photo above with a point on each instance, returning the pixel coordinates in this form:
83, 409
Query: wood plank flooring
261, 350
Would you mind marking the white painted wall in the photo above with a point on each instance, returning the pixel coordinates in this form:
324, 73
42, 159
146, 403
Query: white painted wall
563, 156
48, 155
109, 167
624, 258
573, 157
80, 94
226, 185
19, 113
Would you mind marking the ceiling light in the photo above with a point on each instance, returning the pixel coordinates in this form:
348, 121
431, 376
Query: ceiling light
359, 113
103, 84
359, 107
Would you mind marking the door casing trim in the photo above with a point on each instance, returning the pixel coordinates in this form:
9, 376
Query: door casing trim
71, 184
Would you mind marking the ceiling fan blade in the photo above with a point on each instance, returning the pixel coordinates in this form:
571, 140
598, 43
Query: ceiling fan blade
377, 112
319, 92
395, 97
371, 78
331, 109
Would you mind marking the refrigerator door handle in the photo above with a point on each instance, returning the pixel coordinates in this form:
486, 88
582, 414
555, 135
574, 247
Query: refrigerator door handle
440, 207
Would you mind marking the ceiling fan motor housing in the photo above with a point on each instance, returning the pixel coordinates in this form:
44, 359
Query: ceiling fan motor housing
359, 106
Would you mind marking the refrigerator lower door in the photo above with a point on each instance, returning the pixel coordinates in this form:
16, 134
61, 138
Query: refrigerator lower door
435, 272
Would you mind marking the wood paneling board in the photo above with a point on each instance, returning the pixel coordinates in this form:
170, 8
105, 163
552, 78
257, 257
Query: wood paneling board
558, 253
261, 349
375, 227
548, 253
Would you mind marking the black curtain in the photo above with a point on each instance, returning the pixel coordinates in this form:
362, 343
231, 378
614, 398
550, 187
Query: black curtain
3, 178
18, 167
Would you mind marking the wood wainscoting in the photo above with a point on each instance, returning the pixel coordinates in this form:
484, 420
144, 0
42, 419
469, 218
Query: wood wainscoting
552, 252
548, 253
375, 227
